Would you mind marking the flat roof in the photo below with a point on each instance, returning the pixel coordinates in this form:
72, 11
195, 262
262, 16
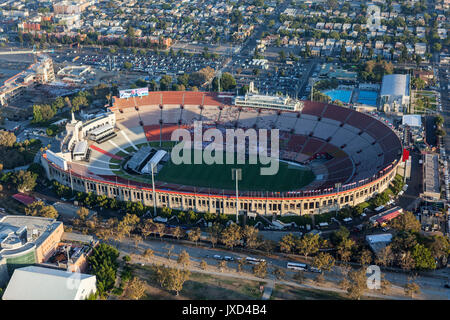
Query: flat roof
39, 226
431, 174
412, 120
80, 147
395, 85
101, 129
38, 283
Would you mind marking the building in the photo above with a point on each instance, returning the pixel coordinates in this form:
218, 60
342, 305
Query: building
254, 100
386, 216
70, 7
412, 120
370, 173
425, 75
377, 242
26, 240
431, 184
395, 93
40, 72
38, 283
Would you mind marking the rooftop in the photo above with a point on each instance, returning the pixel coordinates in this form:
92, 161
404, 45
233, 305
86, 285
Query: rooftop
395, 85
48, 284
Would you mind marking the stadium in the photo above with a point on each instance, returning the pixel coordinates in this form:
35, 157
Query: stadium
330, 156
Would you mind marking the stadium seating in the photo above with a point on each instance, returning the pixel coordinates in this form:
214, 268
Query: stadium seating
351, 146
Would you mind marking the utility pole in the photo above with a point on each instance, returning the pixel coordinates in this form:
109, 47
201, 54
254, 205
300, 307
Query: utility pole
236, 174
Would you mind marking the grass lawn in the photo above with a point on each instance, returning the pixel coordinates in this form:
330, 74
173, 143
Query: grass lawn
219, 176
288, 178
285, 292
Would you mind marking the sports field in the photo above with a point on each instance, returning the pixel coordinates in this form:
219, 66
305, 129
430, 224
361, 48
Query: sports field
289, 177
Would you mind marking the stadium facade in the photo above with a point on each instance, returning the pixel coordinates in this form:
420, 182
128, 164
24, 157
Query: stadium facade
353, 155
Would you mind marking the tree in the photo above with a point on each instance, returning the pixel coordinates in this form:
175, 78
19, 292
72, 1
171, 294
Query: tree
260, 269
184, 259
136, 289
365, 257
411, 288
250, 235
323, 261
80, 101
222, 265
214, 233
165, 82
287, 243
83, 213
160, 230
439, 120
162, 275
178, 233
440, 132
194, 235
39, 209
437, 47
423, 258
24, 180
406, 222
231, 235
7, 139
169, 251
240, 265
385, 285
339, 235
357, 284
308, 244
127, 224
176, 278
267, 245
440, 247
103, 264
137, 239
344, 249
203, 265
406, 262
201, 77
385, 256
148, 254
227, 82
42, 113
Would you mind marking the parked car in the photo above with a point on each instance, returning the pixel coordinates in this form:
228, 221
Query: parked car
217, 257
314, 269
228, 258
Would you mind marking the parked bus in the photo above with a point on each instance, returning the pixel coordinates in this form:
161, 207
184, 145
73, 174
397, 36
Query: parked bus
253, 260
297, 266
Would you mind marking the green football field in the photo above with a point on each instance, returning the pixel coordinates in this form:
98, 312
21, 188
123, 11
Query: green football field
288, 178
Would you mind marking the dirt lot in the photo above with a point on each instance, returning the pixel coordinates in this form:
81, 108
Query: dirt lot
201, 287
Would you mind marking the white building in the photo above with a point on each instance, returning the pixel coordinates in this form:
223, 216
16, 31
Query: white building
254, 100
395, 93
38, 283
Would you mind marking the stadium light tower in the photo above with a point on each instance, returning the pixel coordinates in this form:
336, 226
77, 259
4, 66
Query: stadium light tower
154, 194
236, 174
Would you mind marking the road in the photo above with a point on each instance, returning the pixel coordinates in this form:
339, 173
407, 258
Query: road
431, 284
